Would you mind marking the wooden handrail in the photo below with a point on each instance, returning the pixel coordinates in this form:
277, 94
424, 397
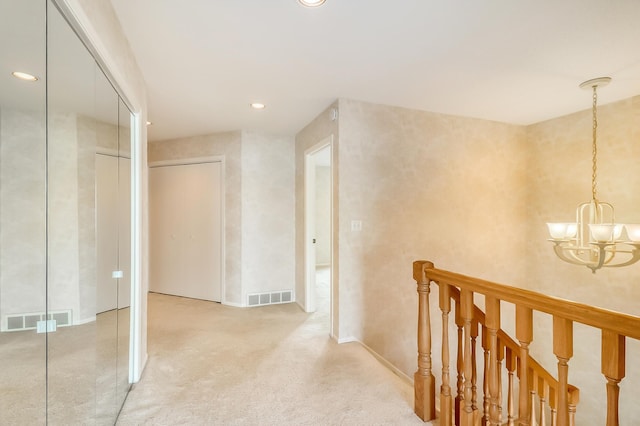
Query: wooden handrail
555, 396
604, 319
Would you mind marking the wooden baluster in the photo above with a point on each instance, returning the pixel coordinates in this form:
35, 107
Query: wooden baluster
553, 406
563, 350
543, 391
492, 320
424, 381
511, 368
613, 368
466, 299
574, 397
485, 377
524, 334
533, 379
500, 360
459, 365
474, 372
445, 389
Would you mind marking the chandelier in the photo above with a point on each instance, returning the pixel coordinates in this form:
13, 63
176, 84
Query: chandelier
595, 240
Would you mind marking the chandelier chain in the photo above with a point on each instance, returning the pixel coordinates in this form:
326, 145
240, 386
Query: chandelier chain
595, 147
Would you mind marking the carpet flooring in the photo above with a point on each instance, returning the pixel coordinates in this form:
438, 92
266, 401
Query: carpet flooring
211, 364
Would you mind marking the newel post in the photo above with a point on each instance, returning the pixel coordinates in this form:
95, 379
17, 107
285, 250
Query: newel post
424, 381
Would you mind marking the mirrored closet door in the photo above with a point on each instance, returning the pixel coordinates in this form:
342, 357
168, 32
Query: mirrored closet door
65, 226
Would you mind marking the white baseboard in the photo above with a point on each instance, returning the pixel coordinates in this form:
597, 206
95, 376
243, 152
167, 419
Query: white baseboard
85, 320
395, 370
233, 304
387, 364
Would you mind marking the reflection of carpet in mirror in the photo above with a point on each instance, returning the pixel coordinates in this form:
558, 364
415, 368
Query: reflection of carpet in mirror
81, 374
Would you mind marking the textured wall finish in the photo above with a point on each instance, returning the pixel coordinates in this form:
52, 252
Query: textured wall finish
259, 206
473, 196
22, 212
267, 213
72, 233
424, 185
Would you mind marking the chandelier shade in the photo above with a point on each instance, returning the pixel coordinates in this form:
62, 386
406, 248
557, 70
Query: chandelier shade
595, 240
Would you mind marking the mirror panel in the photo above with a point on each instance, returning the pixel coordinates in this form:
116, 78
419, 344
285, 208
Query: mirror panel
65, 226
72, 86
104, 124
22, 212
124, 251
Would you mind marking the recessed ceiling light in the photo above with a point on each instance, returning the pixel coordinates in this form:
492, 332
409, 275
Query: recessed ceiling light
257, 105
24, 76
311, 3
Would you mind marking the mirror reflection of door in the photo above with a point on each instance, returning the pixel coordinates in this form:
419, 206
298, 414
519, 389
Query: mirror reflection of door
64, 348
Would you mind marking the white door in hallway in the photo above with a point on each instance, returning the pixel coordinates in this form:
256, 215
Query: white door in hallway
107, 230
185, 232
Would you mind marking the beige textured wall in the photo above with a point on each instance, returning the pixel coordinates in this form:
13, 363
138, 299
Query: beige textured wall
227, 145
71, 216
560, 178
268, 206
259, 206
22, 211
473, 196
418, 181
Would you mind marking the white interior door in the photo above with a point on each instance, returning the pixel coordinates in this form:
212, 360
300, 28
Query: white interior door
186, 230
124, 230
310, 233
106, 232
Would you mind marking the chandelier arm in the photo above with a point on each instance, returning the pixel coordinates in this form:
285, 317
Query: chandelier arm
635, 256
567, 253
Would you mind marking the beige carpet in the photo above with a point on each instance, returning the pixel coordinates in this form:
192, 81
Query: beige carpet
211, 364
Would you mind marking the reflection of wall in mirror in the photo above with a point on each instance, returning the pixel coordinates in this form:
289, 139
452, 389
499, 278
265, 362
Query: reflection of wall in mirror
22, 212
73, 142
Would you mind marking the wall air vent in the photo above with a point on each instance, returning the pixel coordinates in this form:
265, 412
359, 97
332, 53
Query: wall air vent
270, 298
29, 321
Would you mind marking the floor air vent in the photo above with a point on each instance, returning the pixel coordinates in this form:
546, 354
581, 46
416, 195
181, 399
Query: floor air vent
271, 298
21, 322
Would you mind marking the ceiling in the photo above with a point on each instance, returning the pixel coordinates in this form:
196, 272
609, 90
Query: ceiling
519, 62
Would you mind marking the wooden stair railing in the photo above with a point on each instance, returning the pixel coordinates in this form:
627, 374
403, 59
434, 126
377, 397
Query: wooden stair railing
539, 394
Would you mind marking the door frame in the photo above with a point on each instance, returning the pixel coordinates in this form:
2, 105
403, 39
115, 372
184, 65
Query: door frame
309, 229
201, 160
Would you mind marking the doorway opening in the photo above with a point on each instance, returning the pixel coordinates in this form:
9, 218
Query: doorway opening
318, 218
